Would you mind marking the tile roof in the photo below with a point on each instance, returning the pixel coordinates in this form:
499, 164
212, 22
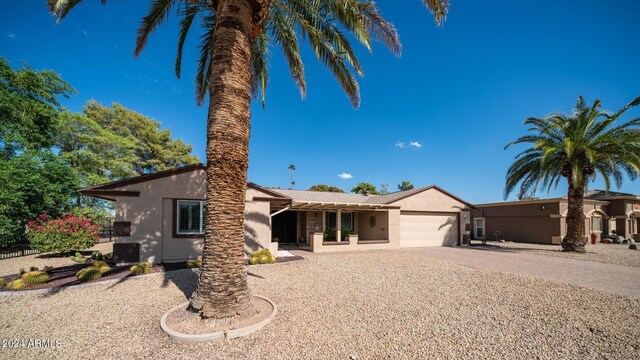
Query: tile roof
604, 195
325, 197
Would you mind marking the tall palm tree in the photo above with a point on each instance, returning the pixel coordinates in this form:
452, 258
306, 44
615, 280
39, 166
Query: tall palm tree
292, 167
576, 147
233, 66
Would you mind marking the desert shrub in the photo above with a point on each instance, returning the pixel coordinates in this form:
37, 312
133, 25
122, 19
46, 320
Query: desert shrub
62, 235
34, 277
89, 273
16, 284
330, 233
262, 256
142, 267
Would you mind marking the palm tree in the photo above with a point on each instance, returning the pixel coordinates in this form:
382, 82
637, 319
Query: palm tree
405, 185
363, 188
292, 167
233, 66
576, 147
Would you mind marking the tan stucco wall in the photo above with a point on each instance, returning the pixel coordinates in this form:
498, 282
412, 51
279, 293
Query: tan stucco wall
378, 232
151, 217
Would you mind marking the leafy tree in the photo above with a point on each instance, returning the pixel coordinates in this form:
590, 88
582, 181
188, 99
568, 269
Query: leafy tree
233, 66
153, 148
325, 188
29, 107
405, 185
362, 187
576, 147
32, 183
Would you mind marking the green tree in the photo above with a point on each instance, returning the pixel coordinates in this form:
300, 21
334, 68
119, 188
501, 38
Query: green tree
153, 148
29, 107
233, 66
405, 185
384, 189
292, 167
576, 147
32, 183
362, 187
325, 188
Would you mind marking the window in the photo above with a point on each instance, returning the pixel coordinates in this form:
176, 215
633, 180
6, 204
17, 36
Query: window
189, 217
345, 223
596, 223
479, 228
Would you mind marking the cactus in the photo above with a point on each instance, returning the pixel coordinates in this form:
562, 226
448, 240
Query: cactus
16, 284
253, 260
34, 277
199, 262
263, 259
79, 259
22, 271
99, 263
108, 256
34, 268
103, 269
145, 265
96, 255
272, 259
2, 282
88, 274
47, 269
136, 270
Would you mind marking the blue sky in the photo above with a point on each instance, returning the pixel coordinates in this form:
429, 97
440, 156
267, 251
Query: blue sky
461, 91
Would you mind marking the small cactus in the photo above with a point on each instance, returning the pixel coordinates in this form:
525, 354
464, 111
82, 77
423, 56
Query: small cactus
253, 260
145, 265
22, 271
108, 256
263, 259
99, 263
272, 259
88, 274
47, 269
2, 282
79, 259
16, 284
96, 255
35, 277
103, 269
34, 268
136, 270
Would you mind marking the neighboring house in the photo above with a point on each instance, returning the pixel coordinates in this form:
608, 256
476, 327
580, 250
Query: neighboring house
544, 221
159, 217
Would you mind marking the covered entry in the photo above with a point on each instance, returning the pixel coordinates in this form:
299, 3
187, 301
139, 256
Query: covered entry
421, 229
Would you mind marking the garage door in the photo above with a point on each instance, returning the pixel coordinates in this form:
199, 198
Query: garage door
423, 230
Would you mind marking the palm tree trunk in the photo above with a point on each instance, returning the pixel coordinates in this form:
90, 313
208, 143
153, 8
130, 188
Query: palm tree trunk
574, 240
222, 288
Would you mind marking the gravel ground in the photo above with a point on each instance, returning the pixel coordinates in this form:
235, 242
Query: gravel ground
618, 254
13, 265
342, 306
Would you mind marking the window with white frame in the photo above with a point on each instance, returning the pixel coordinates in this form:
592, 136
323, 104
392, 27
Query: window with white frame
596, 223
479, 228
190, 217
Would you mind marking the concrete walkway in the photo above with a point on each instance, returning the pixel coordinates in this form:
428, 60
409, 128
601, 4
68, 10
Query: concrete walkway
623, 280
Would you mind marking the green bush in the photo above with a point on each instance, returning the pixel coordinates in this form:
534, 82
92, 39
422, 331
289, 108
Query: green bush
62, 235
16, 284
35, 277
330, 233
89, 273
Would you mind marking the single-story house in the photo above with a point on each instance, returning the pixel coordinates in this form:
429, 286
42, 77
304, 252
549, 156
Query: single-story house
544, 221
159, 217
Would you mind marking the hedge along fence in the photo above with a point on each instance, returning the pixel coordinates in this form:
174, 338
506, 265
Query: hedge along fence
65, 235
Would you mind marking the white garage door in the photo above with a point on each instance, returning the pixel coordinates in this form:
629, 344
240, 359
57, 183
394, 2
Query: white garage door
423, 230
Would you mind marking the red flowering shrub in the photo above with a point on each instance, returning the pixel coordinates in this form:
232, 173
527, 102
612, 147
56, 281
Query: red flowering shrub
70, 233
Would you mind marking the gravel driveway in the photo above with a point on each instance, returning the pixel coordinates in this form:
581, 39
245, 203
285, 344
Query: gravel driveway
386, 304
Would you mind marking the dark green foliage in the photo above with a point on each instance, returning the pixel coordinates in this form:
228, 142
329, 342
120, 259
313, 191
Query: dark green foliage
330, 233
325, 188
96, 255
405, 185
361, 188
108, 256
89, 273
47, 269
33, 268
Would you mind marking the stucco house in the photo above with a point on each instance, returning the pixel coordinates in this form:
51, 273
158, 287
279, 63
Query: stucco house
159, 217
544, 221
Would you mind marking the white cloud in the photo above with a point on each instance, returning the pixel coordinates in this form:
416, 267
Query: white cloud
345, 176
415, 144
400, 144
12, 35
83, 31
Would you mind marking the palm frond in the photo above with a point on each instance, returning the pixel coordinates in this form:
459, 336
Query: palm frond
158, 13
188, 16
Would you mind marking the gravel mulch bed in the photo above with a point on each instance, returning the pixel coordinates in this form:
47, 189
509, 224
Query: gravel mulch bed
368, 305
618, 254
12, 265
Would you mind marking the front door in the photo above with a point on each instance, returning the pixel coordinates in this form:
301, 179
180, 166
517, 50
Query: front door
283, 227
479, 229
